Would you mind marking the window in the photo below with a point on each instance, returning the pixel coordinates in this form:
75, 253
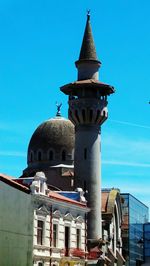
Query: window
78, 238
40, 227
83, 115
39, 156
97, 116
67, 239
40, 264
31, 156
91, 114
51, 155
55, 235
85, 154
63, 155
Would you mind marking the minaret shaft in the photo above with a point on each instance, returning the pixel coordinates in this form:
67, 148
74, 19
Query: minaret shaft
88, 113
87, 173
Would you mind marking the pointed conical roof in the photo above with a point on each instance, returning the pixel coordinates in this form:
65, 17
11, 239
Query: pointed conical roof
88, 51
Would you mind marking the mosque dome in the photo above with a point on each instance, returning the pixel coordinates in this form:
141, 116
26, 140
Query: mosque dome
52, 143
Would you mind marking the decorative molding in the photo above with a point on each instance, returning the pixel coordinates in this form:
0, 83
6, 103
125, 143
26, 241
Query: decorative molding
57, 214
68, 217
42, 210
79, 219
41, 247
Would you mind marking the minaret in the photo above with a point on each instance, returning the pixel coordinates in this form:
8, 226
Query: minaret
88, 111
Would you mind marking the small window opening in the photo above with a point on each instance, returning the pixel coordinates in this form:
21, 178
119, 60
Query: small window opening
104, 113
40, 264
97, 116
63, 155
91, 114
51, 155
39, 155
31, 157
85, 153
83, 115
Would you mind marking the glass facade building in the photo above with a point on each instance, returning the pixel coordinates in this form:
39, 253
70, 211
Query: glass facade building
135, 215
147, 244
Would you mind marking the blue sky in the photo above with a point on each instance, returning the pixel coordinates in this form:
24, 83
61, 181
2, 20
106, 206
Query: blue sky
40, 41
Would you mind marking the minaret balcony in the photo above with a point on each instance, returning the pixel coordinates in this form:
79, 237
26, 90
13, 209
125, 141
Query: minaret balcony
88, 111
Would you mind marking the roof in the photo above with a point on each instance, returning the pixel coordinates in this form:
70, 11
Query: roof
57, 196
88, 51
8, 180
130, 195
108, 200
62, 166
53, 134
104, 201
97, 85
14, 183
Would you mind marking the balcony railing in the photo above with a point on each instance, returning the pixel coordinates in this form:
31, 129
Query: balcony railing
94, 253
80, 253
77, 252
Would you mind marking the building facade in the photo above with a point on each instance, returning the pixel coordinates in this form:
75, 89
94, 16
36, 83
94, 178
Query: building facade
146, 244
135, 215
111, 225
40, 227
16, 224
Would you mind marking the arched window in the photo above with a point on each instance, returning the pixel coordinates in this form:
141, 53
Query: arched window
63, 155
83, 115
91, 114
97, 115
31, 156
39, 156
51, 155
40, 264
85, 153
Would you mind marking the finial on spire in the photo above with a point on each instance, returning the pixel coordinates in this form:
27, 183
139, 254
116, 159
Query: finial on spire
58, 109
88, 13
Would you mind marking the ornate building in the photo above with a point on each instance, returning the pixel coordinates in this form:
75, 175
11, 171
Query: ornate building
111, 225
40, 227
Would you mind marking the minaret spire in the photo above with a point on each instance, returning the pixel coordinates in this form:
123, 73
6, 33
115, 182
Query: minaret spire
88, 50
88, 63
